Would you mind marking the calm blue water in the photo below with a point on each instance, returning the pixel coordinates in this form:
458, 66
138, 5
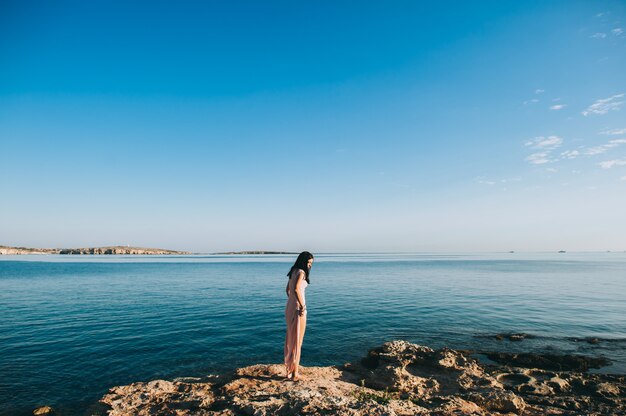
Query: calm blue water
73, 326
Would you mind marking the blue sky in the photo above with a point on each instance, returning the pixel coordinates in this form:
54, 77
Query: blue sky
328, 126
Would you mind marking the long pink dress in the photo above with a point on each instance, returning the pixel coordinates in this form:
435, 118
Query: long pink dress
296, 325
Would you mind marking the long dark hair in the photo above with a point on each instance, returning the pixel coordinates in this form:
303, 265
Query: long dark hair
301, 263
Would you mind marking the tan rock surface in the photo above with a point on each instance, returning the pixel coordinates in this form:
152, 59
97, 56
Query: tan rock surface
43, 411
398, 378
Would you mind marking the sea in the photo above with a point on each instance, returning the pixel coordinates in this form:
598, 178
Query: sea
71, 327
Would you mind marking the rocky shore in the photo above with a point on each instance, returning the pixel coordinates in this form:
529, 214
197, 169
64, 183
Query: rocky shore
397, 378
6, 250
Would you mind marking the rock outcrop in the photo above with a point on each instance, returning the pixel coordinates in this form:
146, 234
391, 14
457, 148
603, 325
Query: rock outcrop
88, 250
119, 250
43, 411
398, 378
6, 250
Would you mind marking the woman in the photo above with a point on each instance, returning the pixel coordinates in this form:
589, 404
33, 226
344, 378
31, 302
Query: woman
295, 312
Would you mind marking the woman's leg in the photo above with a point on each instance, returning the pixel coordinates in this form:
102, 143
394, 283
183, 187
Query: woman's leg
301, 330
291, 341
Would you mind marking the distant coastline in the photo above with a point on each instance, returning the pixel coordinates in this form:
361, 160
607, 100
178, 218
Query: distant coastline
110, 250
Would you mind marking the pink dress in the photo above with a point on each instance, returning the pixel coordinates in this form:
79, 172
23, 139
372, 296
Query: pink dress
296, 325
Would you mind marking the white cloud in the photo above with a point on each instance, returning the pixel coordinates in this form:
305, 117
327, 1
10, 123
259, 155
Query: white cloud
545, 145
592, 151
604, 105
558, 106
604, 147
598, 35
534, 100
613, 132
617, 31
515, 179
491, 182
551, 170
539, 91
538, 158
570, 154
541, 142
623, 178
608, 164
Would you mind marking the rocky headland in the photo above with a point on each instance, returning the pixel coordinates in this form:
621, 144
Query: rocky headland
397, 378
6, 250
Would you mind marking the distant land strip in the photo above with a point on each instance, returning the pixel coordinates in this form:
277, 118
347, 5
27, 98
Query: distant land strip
89, 250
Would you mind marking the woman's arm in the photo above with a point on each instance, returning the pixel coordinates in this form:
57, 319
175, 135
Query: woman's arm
298, 291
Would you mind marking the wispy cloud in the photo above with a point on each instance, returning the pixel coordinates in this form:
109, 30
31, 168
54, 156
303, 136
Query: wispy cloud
508, 180
545, 151
623, 178
485, 181
538, 158
539, 91
558, 106
604, 105
598, 35
570, 154
613, 132
534, 100
597, 150
617, 31
541, 142
545, 145
608, 164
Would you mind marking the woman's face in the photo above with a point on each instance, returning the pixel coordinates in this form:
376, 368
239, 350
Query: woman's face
309, 263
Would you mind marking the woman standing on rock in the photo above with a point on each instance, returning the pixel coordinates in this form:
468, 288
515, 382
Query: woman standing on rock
295, 312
